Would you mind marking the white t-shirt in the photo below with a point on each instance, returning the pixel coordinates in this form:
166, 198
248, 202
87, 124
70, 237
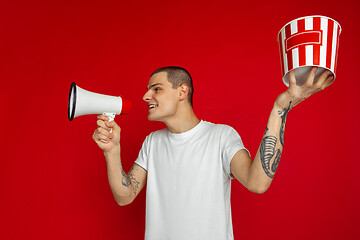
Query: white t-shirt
189, 182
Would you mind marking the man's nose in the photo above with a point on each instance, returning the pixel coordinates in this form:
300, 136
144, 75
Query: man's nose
147, 96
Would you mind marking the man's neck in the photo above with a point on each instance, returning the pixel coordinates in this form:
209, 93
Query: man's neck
184, 121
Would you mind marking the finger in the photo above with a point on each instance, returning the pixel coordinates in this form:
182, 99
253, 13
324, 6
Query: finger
113, 125
98, 137
102, 124
104, 132
103, 117
103, 139
323, 77
327, 82
292, 79
311, 77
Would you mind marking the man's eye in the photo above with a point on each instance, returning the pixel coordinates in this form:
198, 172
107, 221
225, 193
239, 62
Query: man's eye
157, 89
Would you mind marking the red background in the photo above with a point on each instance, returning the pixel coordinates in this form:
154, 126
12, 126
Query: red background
53, 180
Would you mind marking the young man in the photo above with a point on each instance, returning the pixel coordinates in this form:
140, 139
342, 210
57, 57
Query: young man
189, 165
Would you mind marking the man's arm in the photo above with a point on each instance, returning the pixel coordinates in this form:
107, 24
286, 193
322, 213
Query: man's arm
257, 175
125, 187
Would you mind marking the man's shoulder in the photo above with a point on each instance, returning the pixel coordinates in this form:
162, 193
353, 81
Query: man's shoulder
218, 126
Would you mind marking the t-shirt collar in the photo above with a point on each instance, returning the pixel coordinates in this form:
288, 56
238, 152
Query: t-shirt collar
188, 133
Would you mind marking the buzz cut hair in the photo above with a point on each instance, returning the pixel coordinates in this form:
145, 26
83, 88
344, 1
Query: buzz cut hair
178, 76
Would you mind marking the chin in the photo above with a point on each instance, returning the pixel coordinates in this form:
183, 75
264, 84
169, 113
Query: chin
152, 118
155, 118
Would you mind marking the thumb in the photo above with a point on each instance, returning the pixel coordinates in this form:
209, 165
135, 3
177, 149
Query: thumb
292, 79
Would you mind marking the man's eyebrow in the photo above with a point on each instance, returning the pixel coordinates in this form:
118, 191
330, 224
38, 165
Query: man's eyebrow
153, 85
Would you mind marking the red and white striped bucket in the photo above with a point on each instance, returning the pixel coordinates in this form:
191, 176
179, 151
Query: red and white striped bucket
306, 42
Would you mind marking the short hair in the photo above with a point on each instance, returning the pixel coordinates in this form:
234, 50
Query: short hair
178, 76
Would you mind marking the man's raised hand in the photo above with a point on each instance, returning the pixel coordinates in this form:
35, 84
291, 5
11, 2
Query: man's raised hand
296, 94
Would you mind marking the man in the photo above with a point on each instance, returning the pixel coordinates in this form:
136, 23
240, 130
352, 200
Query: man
189, 165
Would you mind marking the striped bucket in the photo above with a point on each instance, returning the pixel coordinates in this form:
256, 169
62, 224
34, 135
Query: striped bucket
306, 42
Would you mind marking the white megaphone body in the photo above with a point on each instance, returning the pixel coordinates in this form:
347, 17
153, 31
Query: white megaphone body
82, 102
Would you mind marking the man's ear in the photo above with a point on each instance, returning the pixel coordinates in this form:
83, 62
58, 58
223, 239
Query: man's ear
184, 91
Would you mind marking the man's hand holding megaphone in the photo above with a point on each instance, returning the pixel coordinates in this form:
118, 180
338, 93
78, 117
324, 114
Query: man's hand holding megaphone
107, 134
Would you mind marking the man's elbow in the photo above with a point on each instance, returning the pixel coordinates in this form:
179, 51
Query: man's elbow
259, 189
123, 202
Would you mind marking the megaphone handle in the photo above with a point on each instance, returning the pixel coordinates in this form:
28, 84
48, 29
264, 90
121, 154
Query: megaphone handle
111, 117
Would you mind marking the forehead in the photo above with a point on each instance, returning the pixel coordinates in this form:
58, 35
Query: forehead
160, 78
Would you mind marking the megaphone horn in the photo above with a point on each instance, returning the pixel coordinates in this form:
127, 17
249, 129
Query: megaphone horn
82, 102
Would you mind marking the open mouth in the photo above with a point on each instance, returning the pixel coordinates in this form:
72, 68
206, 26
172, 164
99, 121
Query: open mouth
151, 106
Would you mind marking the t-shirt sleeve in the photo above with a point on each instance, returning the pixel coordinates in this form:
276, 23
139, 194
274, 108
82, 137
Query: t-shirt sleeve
143, 157
232, 143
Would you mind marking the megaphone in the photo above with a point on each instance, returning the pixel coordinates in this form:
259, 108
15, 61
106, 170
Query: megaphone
83, 102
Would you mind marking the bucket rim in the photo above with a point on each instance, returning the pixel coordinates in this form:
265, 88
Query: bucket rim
318, 66
310, 16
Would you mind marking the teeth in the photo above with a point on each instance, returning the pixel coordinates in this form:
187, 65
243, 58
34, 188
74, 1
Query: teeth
152, 106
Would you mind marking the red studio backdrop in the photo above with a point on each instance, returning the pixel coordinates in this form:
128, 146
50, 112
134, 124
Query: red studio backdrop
53, 180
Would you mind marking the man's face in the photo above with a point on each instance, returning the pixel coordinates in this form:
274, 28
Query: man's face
161, 97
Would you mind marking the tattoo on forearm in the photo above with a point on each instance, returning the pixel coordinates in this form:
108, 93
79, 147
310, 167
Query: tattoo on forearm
270, 157
129, 179
275, 164
125, 179
283, 114
267, 129
267, 151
